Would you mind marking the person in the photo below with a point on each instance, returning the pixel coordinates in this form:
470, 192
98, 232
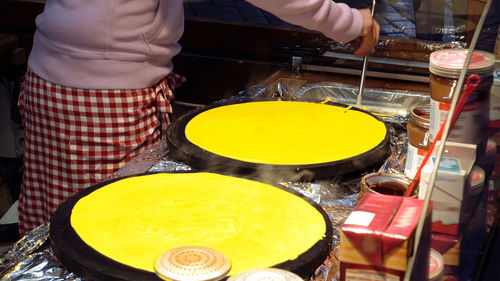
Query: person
97, 94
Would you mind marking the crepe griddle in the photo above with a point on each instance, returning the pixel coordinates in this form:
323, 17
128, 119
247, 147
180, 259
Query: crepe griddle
86, 262
181, 149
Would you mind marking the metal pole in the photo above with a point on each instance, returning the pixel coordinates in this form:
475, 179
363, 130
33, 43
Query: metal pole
363, 71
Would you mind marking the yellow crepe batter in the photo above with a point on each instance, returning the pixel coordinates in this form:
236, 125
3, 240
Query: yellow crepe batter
256, 225
285, 132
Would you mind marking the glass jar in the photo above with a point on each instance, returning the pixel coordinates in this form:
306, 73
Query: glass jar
384, 183
445, 67
418, 138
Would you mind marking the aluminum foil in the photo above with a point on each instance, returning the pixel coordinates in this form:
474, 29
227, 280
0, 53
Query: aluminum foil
39, 266
398, 146
167, 164
385, 103
143, 162
31, 258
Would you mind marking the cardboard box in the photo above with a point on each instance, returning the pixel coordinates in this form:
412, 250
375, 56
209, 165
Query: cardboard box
377, 239
451, 195
449, 247
461, 253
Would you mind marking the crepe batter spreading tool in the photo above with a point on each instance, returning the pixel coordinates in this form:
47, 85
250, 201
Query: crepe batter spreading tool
473, 82
363, 71
267, 274
192, 263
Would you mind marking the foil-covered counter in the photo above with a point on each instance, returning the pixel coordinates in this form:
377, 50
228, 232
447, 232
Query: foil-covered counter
32, 258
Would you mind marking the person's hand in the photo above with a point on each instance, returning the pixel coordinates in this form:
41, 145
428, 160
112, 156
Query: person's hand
369, 33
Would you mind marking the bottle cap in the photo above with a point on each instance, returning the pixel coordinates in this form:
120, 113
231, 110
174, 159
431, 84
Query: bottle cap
449, 62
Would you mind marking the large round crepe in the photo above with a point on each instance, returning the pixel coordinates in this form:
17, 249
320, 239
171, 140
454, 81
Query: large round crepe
134, 220
298, 140
285, 132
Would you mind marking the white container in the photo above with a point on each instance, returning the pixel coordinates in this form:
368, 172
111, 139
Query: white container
436, 266
450, 187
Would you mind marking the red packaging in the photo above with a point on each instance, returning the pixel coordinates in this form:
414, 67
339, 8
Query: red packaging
377, 239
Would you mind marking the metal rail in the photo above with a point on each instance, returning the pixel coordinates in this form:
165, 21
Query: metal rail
363, 71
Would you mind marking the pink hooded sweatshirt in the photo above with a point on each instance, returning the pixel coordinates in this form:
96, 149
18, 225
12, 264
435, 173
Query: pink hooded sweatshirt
124, 44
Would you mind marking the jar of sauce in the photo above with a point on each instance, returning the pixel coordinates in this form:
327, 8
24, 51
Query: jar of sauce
418, 138
384, 183
445, 67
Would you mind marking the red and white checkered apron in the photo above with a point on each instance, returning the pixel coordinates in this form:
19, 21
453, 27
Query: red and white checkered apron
76, 138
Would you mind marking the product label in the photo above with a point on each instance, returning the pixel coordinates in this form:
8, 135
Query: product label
450, 165
469, 127
360, 218
433, 264
414, 158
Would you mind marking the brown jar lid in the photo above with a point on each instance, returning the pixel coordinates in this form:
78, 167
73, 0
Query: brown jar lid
449, 62
266, 274
192, 263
